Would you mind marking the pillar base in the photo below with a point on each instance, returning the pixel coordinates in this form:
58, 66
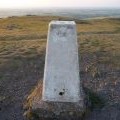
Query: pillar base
58, 110
54, 110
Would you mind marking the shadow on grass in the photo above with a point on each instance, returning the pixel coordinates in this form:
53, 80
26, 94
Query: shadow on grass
93, 100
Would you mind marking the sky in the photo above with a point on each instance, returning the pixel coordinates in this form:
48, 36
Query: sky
58, 3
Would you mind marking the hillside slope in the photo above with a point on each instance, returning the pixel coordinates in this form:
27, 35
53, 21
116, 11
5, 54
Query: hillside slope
22, 55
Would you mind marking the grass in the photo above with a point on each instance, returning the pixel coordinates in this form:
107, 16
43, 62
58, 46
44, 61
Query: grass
22, 54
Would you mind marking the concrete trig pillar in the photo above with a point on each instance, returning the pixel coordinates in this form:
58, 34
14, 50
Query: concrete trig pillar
61, 75
62, 96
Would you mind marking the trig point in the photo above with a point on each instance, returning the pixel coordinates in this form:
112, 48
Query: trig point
61, 81
61, 95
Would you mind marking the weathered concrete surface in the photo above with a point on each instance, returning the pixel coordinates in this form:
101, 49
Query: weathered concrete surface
61, 75
52, 110
60, 95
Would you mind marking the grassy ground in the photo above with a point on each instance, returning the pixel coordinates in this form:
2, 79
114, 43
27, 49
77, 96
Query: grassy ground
22, 54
